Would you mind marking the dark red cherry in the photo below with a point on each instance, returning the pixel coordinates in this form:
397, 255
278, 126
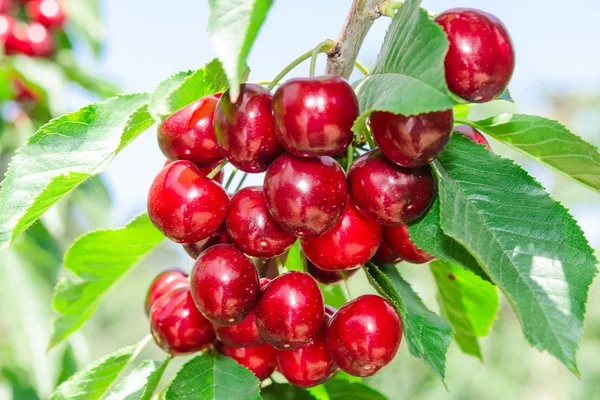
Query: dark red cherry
5, 6
364, 335
189, 134
49, 13
314, 116
309, 365
225, 285
185, 205
412, 141
220, 236
399, 241
327, 277
386, 255
245, 129
252, 228
261, 360
166, 282
306, 195
290, 310
350, 243
481, 58
205, 171
389, 193
473, 134
177, 326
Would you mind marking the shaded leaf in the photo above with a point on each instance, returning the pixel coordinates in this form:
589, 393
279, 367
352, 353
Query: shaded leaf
285, 391
132, 386
293, 260
340, 389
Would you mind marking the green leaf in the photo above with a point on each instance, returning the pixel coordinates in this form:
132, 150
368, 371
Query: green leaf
214, 377
284, 391
64, 153
92, 382
81, 75
133, 385
154, 379
293, 260
505, 95
408, 77
468, 302
232, 27
340, 389
526, 242
427, 334
333, 295
549, 143
69, 365
19, 386
98, 260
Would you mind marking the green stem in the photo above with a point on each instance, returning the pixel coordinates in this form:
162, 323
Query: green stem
361, 67
280, 266
262, 82
216, 170
369, 138
239, 186
345, 276
318, 49
349, 157
460, 121
230, 179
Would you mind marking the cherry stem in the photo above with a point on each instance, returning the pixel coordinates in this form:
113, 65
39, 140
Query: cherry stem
230, 179
346, 284
324, 46
349, 158
216, 170
361, 67
280, 266
370, 140
460, 121
239, 186
318, 49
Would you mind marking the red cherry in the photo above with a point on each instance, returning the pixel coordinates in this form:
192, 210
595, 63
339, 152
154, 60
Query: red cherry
189, 134
245, 131
481, 58
204, 171
220, 236
261, 360
185, 205
314, 116
13, 36
252, 228
412, 141
398, 239
386, 255
5, 6
364, 335
166, 282
177, 326
39, 42
327, 277
473, 134
306, 195
290, 310
351, 242
389, 193
244, 334
225, 285
49, 13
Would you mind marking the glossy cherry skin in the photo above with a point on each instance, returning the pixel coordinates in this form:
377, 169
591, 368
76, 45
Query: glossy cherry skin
220, 236
225, 285
412, 141
290, 310
363, 336
327, 277
185, 205
205, 171
306, 195
245, 129
350, 243
166, 282
252, 228
189, 134
49, 13
314, 116
398, 239
177, 326
389, 193
386, 255
473, 134
261, 360
481, 57
5, 5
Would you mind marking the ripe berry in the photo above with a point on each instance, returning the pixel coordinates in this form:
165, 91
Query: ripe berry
5, 6
399, 241
245, 130
224, 285
481, 58
39, 42
314, 116
363, 336
351, 242
166, 282
327, 277
290, 310
205, 171
473, 134
412, 141
389, 193
220, 236
185, 205
252, 228
386, 255
177, 326
261, 360
49, 13
13, 36
306, 195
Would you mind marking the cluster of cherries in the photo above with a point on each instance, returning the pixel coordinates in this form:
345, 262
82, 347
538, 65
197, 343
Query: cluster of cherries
298, 136
32, 37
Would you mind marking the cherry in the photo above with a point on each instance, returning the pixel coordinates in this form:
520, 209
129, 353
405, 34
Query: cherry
5, 5
49, 13
224, 285
177, 326
327, 277
412, 141
398, 240
245, 130
13, 36
166, 282
351, 242
473, 134
219, 236
386, 255
389, 193
185, 205
306, 195
261, 360
309, 365
39, 42
314, 116
205, 171
252, 228
363, 336
481, 58
289, 312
